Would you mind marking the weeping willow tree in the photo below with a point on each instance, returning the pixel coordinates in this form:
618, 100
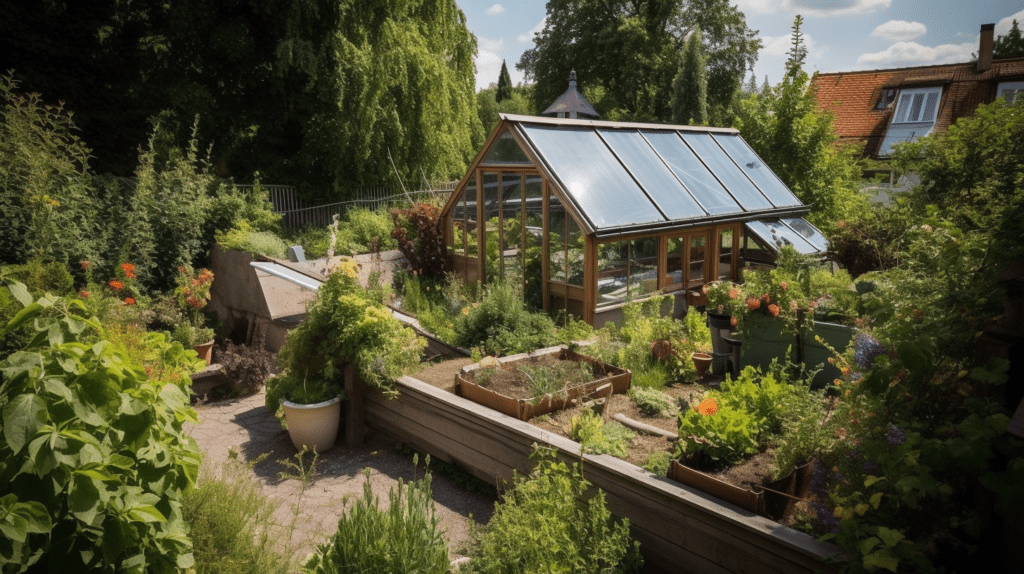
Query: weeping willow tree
403, 98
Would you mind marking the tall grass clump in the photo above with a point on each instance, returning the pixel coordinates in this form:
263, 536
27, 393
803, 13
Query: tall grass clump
403, 538
544, 525
231, 524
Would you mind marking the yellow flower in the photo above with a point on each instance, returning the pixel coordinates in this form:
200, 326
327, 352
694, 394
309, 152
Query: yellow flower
465, 310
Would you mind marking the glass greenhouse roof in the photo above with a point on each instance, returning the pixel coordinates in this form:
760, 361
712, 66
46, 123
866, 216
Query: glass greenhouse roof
622, 175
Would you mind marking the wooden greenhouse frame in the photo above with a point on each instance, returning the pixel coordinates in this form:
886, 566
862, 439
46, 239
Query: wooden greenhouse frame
681, 224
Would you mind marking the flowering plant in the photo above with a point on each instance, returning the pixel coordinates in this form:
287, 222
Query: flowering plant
192, 293
722, 297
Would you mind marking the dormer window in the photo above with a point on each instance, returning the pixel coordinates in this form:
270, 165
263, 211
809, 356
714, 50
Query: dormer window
886, 98
914, 118
1009, 90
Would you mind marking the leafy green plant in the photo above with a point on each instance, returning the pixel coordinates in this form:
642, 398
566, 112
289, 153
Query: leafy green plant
502, 325
242, 237
597, 437
365, 231
403, 538
651, 402
657, 463
716, 437
546, 524
231, 522
95, 457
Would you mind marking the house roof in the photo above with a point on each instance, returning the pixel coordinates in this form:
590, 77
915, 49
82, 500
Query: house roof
852, 96
571, 101
623, 177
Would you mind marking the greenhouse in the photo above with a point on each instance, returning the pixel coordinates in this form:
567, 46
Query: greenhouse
590, 214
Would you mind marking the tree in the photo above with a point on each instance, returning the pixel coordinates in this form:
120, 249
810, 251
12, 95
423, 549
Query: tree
488, 109
1010, 45
629, 52
797, 51
690, 88
798, 141
504, 91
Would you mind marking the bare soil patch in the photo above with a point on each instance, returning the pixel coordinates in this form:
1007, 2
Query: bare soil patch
531, 377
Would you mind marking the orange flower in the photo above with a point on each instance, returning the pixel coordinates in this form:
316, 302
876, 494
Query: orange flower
733, 321
116, 285
127, 267
129, 274
753, 304
704, 289
129, 301
707, 407
84, 294
766, 298
773, 309
84, 264
465, 310
733, 293
784, 285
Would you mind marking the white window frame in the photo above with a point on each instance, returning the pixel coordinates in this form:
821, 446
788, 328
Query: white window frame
919, 98
1009, 90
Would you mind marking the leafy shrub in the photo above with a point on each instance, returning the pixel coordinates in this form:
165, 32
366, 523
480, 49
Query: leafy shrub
597, 437
717, 439
344, 325
248, 366
365, 231
403, 538
657, 463
417, 232
502, 325
243, 237
230, 521
544, 525
95, 458
651, 402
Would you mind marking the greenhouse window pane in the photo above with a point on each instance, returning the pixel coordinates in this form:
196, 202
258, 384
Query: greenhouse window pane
506, 151
653, 174
605, 193
731, 177
612, 273
776, 235
812, 234
704, 187
761, 174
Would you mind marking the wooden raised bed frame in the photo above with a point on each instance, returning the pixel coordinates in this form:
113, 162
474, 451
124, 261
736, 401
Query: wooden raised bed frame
525, 409
680, 528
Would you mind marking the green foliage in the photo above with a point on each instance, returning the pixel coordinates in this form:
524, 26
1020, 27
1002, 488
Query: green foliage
488, 108
403, 538
502, 325
504, 89
798, 142
871, 238
690, 87
365, 231
314, 240
242, 237
626, 54
973, 173
95, 457
546, 524
1009, 45
343, 325
417, 231
231, 520
44, 183
657, 463
651, 402
597, 437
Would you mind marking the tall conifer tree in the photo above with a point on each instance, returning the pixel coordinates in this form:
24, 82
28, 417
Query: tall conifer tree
504, 91
690, 88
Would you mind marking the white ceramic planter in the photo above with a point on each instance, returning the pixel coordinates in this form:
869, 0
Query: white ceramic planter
313, 426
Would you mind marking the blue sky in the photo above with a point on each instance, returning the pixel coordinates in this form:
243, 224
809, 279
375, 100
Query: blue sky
841, 34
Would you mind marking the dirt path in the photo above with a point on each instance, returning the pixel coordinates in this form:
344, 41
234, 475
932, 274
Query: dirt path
245, 427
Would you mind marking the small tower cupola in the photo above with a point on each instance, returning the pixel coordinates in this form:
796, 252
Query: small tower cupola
571, 103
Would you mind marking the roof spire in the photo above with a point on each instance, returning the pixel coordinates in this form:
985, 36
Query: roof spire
571, 103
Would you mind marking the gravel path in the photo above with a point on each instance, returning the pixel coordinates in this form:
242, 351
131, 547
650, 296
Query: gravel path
246, 428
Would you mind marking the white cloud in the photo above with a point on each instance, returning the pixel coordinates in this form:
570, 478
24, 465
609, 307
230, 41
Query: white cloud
912, 53
899, 30
490, 45
496, 9
814, 7
780, 45
528, 36
489, 56
1003, 26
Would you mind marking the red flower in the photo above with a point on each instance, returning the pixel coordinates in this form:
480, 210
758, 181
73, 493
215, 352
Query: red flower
707, 407
766, 298
129, 301
774, 310
84, 264
116, 285
733, 321
127, 267
84, 294
129, 274
733, 293
753, 304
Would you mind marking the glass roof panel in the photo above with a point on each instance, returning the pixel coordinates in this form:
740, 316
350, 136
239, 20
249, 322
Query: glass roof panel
505, 151
604, 191
812, 234
704, 187
723, 167
761, 174
652, 173
776, 235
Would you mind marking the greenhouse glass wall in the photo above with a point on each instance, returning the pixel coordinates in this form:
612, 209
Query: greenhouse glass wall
587, 215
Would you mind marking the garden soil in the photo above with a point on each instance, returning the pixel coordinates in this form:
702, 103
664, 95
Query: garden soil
244, 429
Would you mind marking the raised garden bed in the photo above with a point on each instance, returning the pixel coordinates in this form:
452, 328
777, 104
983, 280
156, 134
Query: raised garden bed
509, 385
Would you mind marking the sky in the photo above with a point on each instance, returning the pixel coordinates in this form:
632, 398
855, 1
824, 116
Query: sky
841, 35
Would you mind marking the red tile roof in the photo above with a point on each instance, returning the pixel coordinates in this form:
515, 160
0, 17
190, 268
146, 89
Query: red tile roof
852, 96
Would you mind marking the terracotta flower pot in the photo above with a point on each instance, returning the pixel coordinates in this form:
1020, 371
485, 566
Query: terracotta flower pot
205, 351
701, 362
313, 426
